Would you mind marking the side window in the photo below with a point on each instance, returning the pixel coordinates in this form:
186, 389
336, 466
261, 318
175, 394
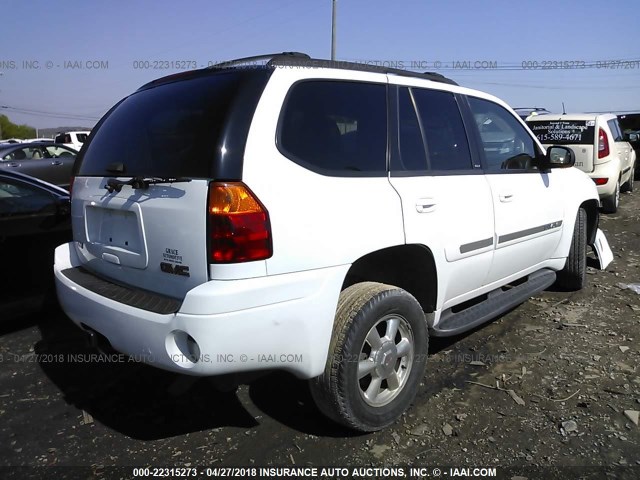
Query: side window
412, 154
335, 127
445, 136
19, 198
615, 130
506, 143
20, 154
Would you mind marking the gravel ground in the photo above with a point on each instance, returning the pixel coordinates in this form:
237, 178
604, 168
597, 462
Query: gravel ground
553, 383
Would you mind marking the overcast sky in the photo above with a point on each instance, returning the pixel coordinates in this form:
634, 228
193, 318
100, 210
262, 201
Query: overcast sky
67, 62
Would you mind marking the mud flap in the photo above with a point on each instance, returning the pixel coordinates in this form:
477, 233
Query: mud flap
602, 249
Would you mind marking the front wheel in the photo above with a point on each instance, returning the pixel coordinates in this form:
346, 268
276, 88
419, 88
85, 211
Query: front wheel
573, 275
376, 357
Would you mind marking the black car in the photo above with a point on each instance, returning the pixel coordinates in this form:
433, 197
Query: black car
29, 206
48, 161
34, 219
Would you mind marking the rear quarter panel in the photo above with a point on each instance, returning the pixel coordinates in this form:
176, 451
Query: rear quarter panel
317, 221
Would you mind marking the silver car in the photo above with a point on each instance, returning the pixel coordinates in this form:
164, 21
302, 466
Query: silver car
44, 160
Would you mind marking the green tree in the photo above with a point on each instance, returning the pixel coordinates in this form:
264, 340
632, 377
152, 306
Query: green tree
9, 129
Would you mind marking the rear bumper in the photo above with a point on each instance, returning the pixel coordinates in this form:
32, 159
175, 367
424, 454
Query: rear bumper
278, 322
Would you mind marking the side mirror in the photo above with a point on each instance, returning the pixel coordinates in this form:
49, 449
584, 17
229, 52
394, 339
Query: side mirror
559, 157
633, 137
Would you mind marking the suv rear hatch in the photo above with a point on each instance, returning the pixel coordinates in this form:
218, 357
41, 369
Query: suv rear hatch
578, 135
140, 196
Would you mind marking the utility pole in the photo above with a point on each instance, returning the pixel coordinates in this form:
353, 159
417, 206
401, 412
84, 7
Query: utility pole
333, 30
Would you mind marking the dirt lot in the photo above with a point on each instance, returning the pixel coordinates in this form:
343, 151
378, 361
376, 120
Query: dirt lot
546, 385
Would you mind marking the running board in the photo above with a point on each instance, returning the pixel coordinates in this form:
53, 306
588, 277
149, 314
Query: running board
498, 301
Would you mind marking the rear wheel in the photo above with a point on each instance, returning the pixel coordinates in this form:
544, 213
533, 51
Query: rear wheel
573, 275
610, 204
376, 357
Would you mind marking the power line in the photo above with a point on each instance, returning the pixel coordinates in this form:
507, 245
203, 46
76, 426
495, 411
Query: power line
41, 113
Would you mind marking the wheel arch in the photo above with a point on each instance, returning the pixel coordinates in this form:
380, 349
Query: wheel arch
410, 267
591, 207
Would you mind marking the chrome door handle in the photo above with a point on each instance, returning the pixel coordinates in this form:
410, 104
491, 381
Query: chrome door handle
56, 162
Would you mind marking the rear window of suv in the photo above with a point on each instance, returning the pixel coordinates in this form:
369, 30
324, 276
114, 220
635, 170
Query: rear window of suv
565, 132
177, 129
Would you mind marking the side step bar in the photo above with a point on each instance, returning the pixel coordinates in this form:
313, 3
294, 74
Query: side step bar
498, 301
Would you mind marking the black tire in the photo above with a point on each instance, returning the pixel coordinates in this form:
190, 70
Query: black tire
610, 204
371, 401
573, 275
628, 186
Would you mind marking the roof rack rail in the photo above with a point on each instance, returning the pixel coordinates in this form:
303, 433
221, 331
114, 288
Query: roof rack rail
267, 57
306, 61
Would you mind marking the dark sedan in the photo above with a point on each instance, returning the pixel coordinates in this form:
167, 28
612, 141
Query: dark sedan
29, 206
34, 219
47, 161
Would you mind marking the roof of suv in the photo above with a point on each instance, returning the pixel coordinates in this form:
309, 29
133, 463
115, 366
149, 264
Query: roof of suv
295, 59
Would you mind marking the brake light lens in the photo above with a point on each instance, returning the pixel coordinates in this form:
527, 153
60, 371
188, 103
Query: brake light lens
239, 227
600, 181
603, 144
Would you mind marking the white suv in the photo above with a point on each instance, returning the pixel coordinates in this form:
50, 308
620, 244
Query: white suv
317, 217
72, 139
600, 148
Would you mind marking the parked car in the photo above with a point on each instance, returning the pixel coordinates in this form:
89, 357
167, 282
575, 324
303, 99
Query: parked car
34, 219
524, 112
29, 206
72, 139
44, 160
630, 124
318, 218
40, 139
600, 149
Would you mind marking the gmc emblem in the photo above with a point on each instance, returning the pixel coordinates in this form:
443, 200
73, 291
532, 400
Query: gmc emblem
182, 270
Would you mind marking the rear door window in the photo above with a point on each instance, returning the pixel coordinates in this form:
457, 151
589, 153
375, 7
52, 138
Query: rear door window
615, 130
336, 128
445, 136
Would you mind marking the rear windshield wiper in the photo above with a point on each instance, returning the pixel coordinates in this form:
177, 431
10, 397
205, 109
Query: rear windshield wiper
141, 182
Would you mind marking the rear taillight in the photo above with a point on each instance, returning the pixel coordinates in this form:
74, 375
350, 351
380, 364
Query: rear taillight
239, 227
603, 144
600, 181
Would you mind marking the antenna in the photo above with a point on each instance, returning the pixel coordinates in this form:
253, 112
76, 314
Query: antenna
563, 110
